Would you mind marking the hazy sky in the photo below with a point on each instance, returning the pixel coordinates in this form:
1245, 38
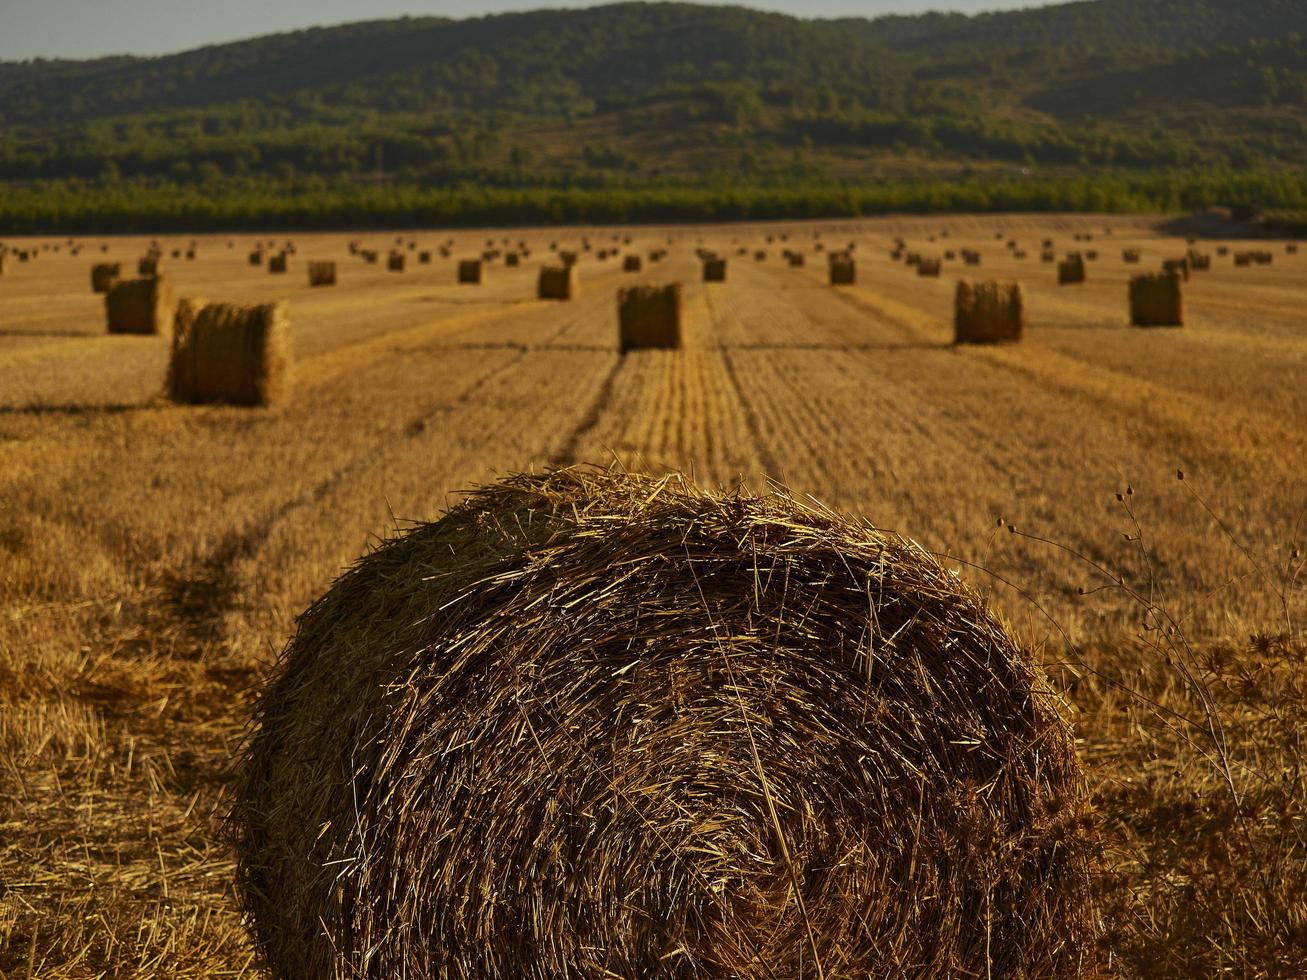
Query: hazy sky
87, 28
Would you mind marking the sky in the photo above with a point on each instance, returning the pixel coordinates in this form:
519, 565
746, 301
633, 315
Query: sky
91, 28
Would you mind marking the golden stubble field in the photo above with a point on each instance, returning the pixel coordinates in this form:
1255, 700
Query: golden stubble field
153, 557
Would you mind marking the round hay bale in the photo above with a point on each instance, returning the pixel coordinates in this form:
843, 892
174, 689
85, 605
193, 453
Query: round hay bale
596, 725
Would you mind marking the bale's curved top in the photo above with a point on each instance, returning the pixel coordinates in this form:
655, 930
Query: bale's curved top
596, 725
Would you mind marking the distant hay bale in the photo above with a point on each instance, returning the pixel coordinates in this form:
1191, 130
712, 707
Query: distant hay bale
930, 268
589, 722
471, 272
397, 261
797, 260
140, 306
1263, 258
1243, 260
568, 258
322, 273
1071, 271
989, 313
1291, 249
1091, 255
512, 260
279, 263
650, 317
149, 265
1223, 250
1048, 257
1199, 261
1157, 301
237, 355
760, 255
256, 257
104, 275
843, 270
632, 263
1179, 267
424, 258
559, 282
1131, 256
714, 270
970, 256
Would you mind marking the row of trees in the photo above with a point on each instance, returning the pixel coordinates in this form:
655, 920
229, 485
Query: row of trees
157, 206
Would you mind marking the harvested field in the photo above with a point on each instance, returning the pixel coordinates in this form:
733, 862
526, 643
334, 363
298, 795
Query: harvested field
153, 556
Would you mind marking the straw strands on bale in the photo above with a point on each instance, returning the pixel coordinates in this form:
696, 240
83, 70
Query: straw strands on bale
1071, 271
322, 273
714, 270
650, 316
240, 355
471, 271
1157, 301
559, 282
140, 306
104, 275
591, 725
988, 313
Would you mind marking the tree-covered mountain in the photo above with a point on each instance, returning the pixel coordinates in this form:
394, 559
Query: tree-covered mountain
640, 94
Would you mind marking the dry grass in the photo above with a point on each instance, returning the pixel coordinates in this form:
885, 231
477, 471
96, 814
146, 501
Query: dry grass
152, 557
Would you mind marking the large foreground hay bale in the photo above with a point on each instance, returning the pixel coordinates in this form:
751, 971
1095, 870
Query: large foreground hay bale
140, 306
649, 316
595, 725
104, 275
559, 282
322, 273
471, 271
988, 313
240, 355
1157, 301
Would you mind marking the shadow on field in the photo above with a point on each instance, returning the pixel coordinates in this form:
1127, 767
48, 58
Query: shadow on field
66, 334
75, 410
843, 348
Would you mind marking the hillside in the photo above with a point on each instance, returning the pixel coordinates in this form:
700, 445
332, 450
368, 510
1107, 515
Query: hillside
641, 94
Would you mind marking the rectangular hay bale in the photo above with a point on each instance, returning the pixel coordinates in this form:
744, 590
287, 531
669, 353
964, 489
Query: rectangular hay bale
322, 273
238, 355
843, 270
714, 270
559, 282
140, 306
989, 313
650, 317
1157, 300
104, 275
1071, 272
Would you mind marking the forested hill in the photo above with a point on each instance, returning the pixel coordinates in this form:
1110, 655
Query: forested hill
639, 95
